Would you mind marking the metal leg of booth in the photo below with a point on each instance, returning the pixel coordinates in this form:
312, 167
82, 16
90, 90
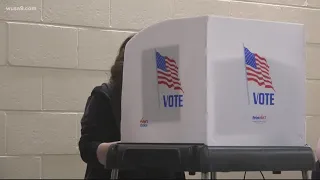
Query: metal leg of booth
209, 175
213, 175
114, 173
205, 175
305, 175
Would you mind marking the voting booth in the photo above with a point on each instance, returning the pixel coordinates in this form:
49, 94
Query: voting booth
215, 80
214, 94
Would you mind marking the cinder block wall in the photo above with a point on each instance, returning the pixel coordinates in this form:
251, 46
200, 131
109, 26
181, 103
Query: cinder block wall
53, 55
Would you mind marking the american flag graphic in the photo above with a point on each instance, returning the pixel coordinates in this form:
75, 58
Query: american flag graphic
168, 72
257, 69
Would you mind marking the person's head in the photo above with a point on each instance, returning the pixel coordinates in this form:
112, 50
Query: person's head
116, 80
117, 68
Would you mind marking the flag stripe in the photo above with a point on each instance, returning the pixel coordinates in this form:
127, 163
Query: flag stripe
258, 77
172, 64
172, 70
262, 61
260, 83
170, 60
175, 82
261, 58
170, 85
258, 71
173, 75
263, 67
265, 75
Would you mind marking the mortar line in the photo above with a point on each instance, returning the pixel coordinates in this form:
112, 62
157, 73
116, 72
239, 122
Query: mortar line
72, 26
277, 4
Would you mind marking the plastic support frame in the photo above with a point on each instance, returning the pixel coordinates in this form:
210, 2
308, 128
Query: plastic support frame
208, 160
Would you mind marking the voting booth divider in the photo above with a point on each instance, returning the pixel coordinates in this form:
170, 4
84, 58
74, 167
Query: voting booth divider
214, 94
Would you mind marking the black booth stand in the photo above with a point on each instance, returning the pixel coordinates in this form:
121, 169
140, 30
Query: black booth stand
208, 160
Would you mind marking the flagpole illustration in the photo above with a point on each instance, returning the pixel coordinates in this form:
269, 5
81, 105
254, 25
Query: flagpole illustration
245, 70
155, 54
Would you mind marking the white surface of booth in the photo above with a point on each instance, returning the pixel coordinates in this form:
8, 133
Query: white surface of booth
215, 80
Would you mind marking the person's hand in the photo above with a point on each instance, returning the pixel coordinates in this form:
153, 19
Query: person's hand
102, 152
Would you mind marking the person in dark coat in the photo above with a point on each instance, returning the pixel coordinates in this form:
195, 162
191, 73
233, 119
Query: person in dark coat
100, 127
316, 171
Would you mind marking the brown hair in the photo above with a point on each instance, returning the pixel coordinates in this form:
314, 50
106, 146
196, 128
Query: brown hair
116, 81
117, 68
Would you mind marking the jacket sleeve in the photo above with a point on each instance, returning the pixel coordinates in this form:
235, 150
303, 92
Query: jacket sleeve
93, 132
316, 171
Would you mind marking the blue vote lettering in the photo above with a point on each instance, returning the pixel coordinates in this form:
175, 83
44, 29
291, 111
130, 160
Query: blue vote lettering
173, 100
263, 98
